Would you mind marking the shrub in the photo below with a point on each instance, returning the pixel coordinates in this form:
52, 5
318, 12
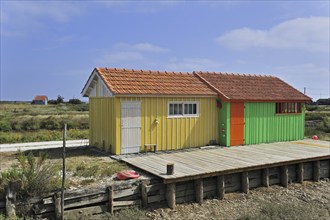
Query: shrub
60, 99
84, 124
311, 108
74, 101
83, 107
316, 116
16, 125
52, 102
31, 124
50, 123
5, 125
325, 125
33, 176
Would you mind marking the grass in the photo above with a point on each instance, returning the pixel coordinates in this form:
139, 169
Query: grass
288, 211
132, 213
32, 123
318, 122
93, 167
83, 166
41, 135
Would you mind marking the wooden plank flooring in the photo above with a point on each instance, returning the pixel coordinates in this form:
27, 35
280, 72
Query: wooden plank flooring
197, 163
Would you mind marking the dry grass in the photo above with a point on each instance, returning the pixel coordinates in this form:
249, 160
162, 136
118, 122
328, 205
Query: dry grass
83, 165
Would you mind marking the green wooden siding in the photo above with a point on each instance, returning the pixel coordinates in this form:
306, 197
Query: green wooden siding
224, 124
263, 125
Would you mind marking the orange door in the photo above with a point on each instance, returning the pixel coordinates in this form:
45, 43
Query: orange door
236, 124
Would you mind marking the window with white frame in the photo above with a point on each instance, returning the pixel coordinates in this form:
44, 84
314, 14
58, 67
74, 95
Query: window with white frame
183, 109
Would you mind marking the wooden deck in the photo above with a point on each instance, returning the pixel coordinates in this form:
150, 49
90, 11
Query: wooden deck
202, 163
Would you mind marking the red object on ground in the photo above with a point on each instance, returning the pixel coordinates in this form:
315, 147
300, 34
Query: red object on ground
315, 137
127, 174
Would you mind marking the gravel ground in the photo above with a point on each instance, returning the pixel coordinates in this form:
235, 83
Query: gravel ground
310, 200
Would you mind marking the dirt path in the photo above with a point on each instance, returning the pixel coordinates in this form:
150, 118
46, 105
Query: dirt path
308, 201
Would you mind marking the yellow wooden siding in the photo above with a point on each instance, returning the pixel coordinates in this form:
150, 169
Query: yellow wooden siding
169, 134
175, 133
103, 122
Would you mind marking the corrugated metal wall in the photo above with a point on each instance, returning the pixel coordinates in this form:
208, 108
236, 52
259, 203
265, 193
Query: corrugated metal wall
224, 124
263, 125
102, 123
176, 133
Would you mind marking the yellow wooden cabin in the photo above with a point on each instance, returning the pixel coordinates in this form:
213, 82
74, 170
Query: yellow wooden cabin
135, 110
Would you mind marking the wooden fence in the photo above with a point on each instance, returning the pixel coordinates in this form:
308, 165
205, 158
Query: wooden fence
88, 202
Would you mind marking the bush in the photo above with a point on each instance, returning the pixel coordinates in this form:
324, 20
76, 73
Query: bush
74, 101
33, 176
5, 125
83, 107
311, 108
50, 123
16, 125
325, 125
60, 99
31, 124
52, 102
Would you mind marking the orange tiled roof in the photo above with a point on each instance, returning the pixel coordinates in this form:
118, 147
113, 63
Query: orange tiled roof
146, 82
40, 97
251, 87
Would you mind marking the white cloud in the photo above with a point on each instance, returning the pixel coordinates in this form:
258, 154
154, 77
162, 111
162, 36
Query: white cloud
124, 54
193, 64
311, 34
143, 47
20, 17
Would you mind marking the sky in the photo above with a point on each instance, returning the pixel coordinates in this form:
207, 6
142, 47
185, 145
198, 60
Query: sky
51, 47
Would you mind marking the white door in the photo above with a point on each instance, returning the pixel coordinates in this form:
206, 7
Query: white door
130, 127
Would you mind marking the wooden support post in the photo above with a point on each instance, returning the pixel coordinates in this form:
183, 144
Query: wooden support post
245, 182
63, 173
221, 187
300, 172
284, 175
170, 169
316, 170
110, 192
144, 195
199, 192
11, 200
265, 177
57, 204
170, 195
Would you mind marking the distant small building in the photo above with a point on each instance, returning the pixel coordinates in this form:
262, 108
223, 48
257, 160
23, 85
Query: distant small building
40, 100
323, 101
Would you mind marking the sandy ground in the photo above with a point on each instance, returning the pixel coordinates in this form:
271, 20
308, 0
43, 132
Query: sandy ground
310, 200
